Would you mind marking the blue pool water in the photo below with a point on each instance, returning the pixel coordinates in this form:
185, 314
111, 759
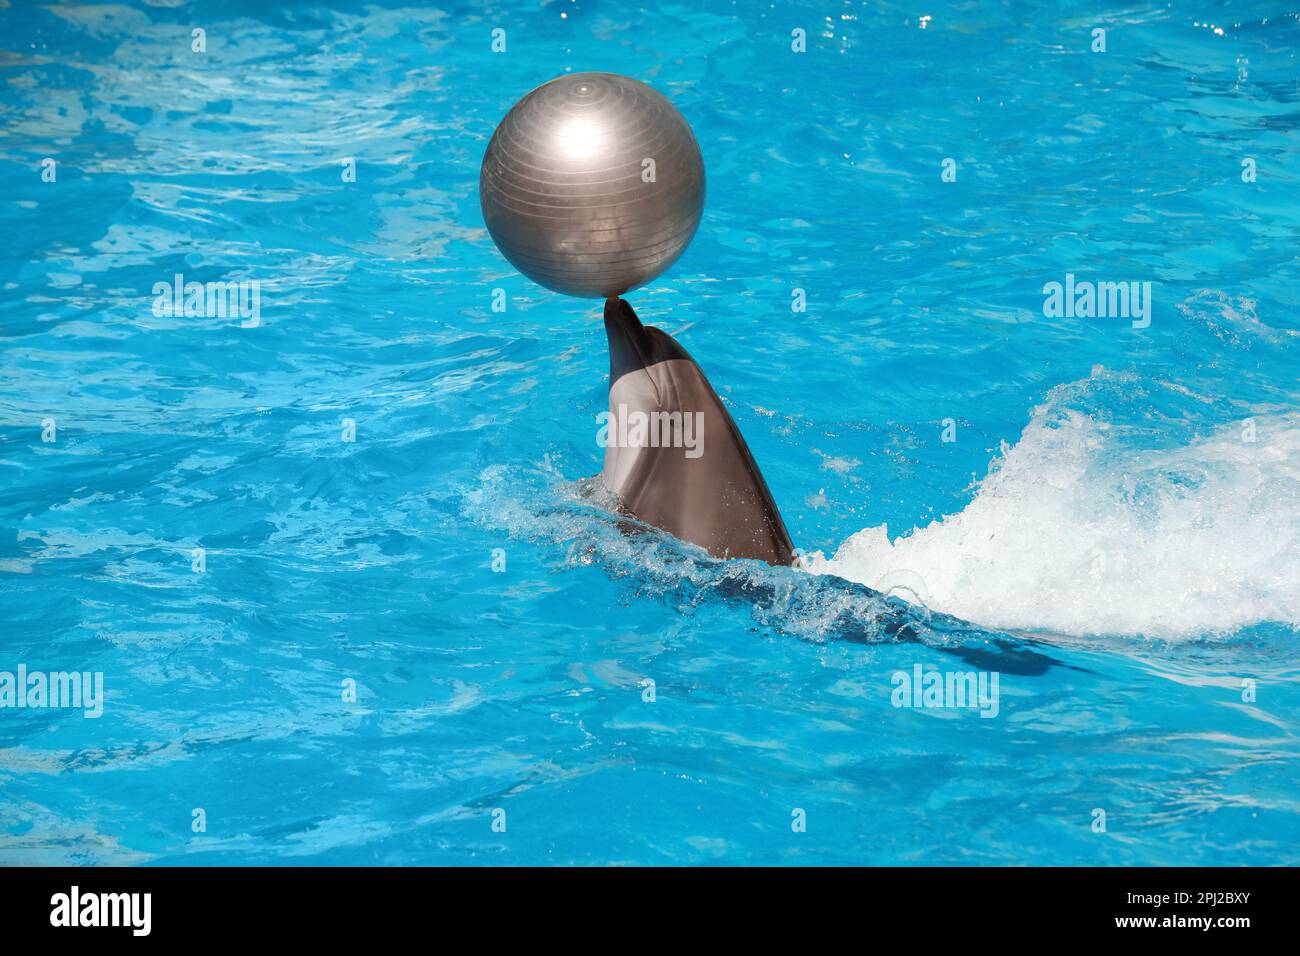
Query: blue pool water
1114, 529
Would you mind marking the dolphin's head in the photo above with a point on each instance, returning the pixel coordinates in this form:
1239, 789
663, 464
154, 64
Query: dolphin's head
700, 482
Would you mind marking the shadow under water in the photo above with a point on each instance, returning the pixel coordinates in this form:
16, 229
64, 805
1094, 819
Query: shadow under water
819, 608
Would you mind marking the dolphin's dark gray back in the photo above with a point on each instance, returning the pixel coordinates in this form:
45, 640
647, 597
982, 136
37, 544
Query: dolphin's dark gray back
718, 499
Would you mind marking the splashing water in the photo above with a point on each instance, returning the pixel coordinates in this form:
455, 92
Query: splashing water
1074, 531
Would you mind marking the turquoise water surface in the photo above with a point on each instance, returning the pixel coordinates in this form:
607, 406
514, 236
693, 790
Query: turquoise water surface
350, 594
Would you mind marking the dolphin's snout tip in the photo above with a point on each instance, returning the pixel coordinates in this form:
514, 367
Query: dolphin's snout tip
621, 323
613, 308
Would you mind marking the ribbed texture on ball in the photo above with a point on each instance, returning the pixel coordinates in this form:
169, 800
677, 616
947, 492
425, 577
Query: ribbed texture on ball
563, 192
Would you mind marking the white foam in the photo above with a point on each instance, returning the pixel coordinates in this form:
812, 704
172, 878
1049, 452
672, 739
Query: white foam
1078, 531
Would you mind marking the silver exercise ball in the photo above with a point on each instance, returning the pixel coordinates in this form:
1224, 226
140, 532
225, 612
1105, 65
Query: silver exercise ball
592, 185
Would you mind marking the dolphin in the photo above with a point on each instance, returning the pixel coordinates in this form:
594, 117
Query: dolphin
673, 455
